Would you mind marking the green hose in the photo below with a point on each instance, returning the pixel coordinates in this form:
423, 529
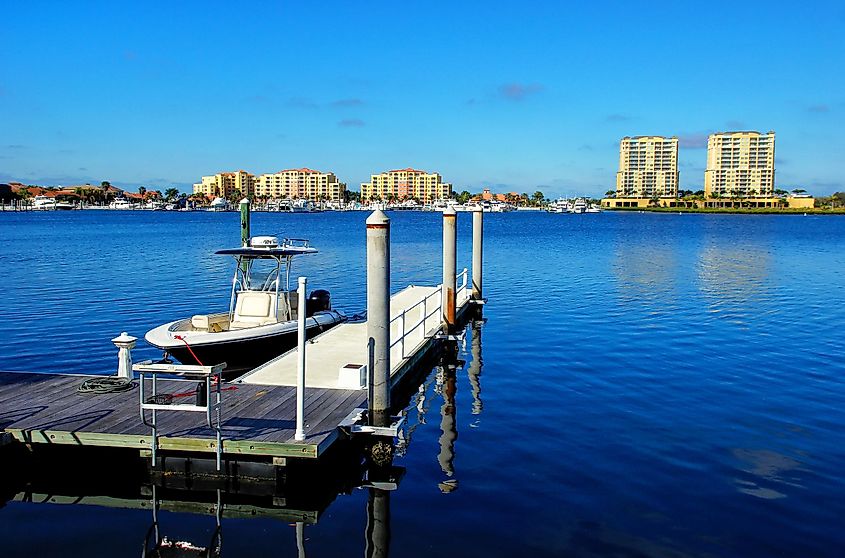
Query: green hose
107, 384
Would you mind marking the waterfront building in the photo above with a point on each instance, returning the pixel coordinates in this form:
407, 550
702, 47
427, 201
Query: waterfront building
740, 165
223, 184
301, 183
487, 195
648, 167
404, 184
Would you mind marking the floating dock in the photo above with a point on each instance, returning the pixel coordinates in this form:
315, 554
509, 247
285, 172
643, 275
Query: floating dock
269, 414
258, 412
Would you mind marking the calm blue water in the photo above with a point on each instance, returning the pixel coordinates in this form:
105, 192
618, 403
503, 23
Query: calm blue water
652, 385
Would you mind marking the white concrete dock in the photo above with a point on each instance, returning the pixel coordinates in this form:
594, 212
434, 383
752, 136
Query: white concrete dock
415, 318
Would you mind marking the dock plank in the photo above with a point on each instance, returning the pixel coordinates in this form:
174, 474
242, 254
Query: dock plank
41, 408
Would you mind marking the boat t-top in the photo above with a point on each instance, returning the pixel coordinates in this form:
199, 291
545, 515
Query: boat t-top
262, 319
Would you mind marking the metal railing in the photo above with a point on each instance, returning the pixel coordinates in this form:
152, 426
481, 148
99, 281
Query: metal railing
429, 309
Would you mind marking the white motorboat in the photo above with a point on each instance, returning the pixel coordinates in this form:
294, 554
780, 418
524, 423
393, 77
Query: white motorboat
42, 203
262, 319
580, 206
154, 205
301, 206
121, 203
560, 205
64, 205
218, 204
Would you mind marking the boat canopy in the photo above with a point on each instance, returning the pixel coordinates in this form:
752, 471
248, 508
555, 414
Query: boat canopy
276, 252
269, 247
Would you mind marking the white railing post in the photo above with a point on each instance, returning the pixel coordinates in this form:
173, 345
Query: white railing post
300, 380
402, 335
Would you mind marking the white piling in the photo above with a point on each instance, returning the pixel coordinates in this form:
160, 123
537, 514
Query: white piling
449, 266
477, 252
378, 316
300, 378
124, 343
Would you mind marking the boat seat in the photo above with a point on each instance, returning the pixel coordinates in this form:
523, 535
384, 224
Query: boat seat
212, 324
255, 308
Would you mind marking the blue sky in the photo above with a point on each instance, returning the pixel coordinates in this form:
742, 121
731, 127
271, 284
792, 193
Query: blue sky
516, 96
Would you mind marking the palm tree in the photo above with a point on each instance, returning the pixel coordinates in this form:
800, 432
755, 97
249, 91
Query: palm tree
170, 194
142, 191
716, 196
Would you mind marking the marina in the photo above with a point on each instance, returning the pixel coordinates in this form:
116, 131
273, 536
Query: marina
601, 362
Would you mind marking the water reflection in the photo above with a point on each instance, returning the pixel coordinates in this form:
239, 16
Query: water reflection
767, 471
157, 545
447, 387
732, 274
644, 270
296, 495
474, 370
378, 523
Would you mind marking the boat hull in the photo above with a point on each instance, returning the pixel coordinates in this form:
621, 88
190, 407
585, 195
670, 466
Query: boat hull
251, 348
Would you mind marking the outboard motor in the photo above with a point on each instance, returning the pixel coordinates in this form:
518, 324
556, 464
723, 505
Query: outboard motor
318, 300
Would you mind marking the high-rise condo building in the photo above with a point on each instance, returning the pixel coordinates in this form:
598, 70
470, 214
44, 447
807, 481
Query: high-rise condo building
648, 167
406, 183
300, 183
223, 184
740, 164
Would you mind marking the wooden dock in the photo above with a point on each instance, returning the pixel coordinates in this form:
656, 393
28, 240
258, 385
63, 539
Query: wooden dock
258, 413
257, 420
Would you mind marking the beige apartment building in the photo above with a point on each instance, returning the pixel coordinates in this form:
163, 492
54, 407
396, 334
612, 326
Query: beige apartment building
223, 184
648, 167
740, 164
301, 183
404, 184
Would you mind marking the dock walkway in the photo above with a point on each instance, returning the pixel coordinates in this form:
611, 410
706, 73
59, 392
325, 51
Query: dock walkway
415, 316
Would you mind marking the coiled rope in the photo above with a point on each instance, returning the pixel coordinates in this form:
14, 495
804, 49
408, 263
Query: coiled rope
106, 384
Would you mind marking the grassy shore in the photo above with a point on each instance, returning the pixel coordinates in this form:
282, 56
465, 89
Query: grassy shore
756, 211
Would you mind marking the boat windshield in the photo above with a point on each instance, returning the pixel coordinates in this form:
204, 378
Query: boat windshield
262, 275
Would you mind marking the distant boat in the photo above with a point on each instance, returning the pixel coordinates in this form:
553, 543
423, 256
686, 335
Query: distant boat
219, 204
65, 205
43, 203
121, 203
560, 206
580, 206
154, 205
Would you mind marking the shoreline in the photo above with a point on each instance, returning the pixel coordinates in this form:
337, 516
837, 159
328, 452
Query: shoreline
728, 210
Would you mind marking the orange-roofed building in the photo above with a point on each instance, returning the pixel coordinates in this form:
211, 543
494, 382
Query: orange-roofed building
487, 195
406, 183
